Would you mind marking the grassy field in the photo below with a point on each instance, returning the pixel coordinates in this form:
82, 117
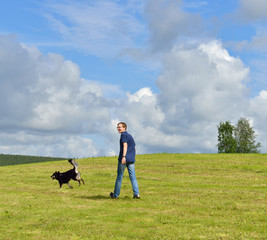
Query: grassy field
183, 196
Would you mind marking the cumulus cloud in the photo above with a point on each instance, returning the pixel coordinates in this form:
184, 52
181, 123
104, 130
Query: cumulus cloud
144, 117
44, 144
199, 87
48, 109
258, 112
202, 83
44, 96
48, 88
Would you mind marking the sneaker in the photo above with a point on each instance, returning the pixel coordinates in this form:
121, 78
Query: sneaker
112, 195
136, 196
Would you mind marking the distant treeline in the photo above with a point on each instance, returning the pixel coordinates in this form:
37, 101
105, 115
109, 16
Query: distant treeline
22, 159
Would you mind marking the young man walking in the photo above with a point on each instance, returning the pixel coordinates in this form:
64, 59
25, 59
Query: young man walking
126, 159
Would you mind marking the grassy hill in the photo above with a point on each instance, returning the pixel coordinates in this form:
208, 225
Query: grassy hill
6, 159
183, 196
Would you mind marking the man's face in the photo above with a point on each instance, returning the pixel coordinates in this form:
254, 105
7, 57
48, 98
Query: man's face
120, 128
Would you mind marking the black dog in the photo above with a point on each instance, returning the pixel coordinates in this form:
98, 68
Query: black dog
65, 177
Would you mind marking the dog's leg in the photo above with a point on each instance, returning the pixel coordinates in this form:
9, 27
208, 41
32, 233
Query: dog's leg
78, 176
70, 185
80, 181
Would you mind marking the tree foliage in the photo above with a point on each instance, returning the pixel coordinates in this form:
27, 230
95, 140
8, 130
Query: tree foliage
237, 139
245, 137
226, 141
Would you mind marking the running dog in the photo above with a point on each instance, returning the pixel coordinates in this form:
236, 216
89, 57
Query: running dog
65, 177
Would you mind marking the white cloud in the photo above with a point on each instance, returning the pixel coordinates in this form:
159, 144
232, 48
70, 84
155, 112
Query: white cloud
168, 22
199, 87
144, 117
45, 96
252, 15
48, 109
44, 144
195, 4
117, 29
201, 83
258, 112
257, 44
102, 28
253, 10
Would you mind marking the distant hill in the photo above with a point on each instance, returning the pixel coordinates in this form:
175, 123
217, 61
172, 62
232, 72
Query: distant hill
6, 159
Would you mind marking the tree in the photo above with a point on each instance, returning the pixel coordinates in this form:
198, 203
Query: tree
245, 137
237, 139
226, 141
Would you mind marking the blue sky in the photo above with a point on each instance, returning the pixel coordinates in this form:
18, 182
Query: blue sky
172, 69
27, 19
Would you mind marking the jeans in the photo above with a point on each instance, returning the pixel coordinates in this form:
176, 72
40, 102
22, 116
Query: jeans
120, 171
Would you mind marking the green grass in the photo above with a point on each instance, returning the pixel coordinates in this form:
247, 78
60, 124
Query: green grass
183, 196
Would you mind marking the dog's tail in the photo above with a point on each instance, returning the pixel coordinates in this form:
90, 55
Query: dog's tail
74, 163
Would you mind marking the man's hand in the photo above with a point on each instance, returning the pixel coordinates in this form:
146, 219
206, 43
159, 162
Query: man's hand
123, 160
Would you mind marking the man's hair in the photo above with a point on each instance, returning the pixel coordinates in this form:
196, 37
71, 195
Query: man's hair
123, 124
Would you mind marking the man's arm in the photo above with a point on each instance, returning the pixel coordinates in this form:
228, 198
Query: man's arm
124, 152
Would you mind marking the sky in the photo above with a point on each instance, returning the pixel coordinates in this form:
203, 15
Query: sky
171, 69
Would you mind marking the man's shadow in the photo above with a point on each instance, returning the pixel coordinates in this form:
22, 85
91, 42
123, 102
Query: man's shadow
101, 197
96, 197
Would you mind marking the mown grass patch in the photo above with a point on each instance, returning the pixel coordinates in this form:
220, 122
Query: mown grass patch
183, 196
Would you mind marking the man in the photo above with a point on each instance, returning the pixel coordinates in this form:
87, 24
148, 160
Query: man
126, 159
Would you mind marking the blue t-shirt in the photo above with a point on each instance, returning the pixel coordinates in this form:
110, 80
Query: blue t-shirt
130, 155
